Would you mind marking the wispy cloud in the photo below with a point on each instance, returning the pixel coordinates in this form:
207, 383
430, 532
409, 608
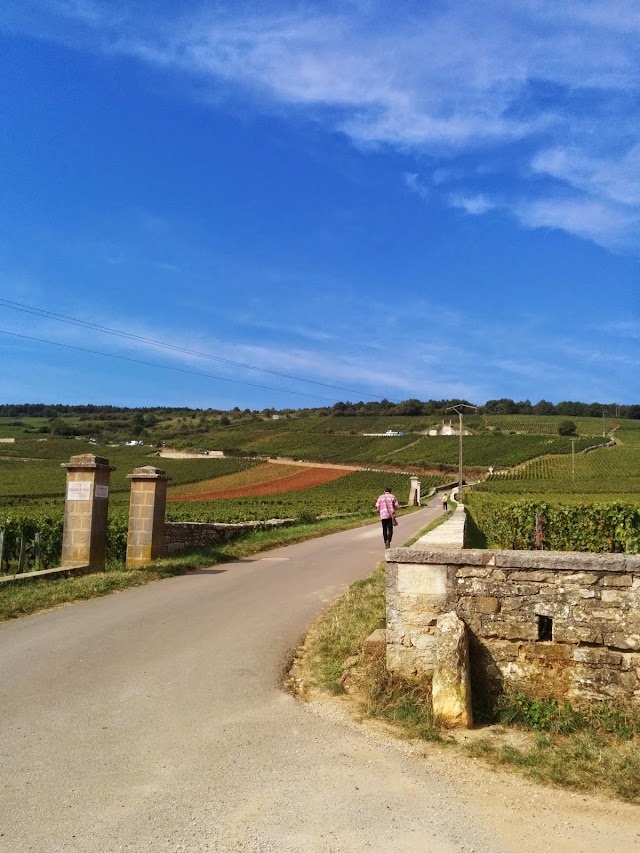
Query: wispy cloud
416, 185
475, 205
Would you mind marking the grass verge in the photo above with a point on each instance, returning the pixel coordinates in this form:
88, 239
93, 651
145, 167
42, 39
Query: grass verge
331, 660
595, 751
26, 597
592, 750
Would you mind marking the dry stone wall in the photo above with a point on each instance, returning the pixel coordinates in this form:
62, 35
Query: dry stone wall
186, 535
552, 624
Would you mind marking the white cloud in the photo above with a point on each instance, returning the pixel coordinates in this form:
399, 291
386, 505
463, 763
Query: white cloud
584, 217
614, 178
474, 205
416, 185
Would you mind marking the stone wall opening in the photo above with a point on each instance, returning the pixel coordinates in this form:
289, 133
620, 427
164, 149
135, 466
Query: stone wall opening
545, 628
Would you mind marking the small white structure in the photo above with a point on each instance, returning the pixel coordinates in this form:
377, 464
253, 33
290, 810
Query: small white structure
448, 429
414, 492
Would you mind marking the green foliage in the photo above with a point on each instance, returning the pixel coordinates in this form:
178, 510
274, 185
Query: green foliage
26, 523
567, 428
600, 527
539, 715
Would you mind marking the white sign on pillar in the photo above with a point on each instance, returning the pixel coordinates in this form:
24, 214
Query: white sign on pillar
79, 491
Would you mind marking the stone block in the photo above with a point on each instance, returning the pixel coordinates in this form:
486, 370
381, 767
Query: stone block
581, 578
424, 642
548, 651
511, 630
599, 657
504, 590
487, 605
632, 563
446, 556
564, 633
376, 644
504, 651
533, 576
473, 572
618, 580
613, 596
561, 561
414, 580
630, 661
451, 687
618, 639
587, 593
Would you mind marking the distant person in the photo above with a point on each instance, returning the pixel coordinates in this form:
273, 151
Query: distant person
445, 502
387, 504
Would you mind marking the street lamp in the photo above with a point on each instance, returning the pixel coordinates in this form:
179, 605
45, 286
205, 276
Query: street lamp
458, 409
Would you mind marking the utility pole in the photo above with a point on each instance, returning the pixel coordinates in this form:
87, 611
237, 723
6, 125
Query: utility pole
459, 411
573, 459
604, 433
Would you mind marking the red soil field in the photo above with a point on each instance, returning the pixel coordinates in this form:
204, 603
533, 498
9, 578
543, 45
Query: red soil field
293, 483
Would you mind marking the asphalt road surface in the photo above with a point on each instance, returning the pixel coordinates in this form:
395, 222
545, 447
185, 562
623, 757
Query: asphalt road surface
153, 720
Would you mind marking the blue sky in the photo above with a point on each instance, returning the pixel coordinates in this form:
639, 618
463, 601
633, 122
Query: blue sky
400, 199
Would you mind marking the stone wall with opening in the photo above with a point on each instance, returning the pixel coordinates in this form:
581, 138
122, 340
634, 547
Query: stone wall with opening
562, 625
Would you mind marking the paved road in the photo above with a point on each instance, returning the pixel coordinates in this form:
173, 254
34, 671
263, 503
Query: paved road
152, 720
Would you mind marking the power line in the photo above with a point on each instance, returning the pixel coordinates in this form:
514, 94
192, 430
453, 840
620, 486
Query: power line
74, 321
163, 366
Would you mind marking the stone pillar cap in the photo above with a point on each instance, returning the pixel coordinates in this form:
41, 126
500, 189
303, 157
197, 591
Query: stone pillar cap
88, 460
148, 472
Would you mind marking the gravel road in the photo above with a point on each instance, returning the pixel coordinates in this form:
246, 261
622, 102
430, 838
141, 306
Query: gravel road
153, 720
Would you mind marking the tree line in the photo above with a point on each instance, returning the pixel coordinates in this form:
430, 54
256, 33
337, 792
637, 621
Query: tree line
411, 407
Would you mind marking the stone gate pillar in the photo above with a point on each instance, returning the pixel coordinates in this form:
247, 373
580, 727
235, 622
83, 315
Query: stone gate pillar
145, 540
86, 508
414, 492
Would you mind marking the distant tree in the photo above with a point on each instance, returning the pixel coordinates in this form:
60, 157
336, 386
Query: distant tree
504, 406
409, 407
61, 427
567, 427
544, 407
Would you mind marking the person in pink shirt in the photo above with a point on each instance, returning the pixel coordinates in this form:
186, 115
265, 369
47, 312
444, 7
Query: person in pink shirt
387, 505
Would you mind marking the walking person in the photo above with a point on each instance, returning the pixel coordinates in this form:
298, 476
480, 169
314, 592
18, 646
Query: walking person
387, 504
445, 502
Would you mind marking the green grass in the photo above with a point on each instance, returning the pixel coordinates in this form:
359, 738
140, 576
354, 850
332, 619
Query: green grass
592, 750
